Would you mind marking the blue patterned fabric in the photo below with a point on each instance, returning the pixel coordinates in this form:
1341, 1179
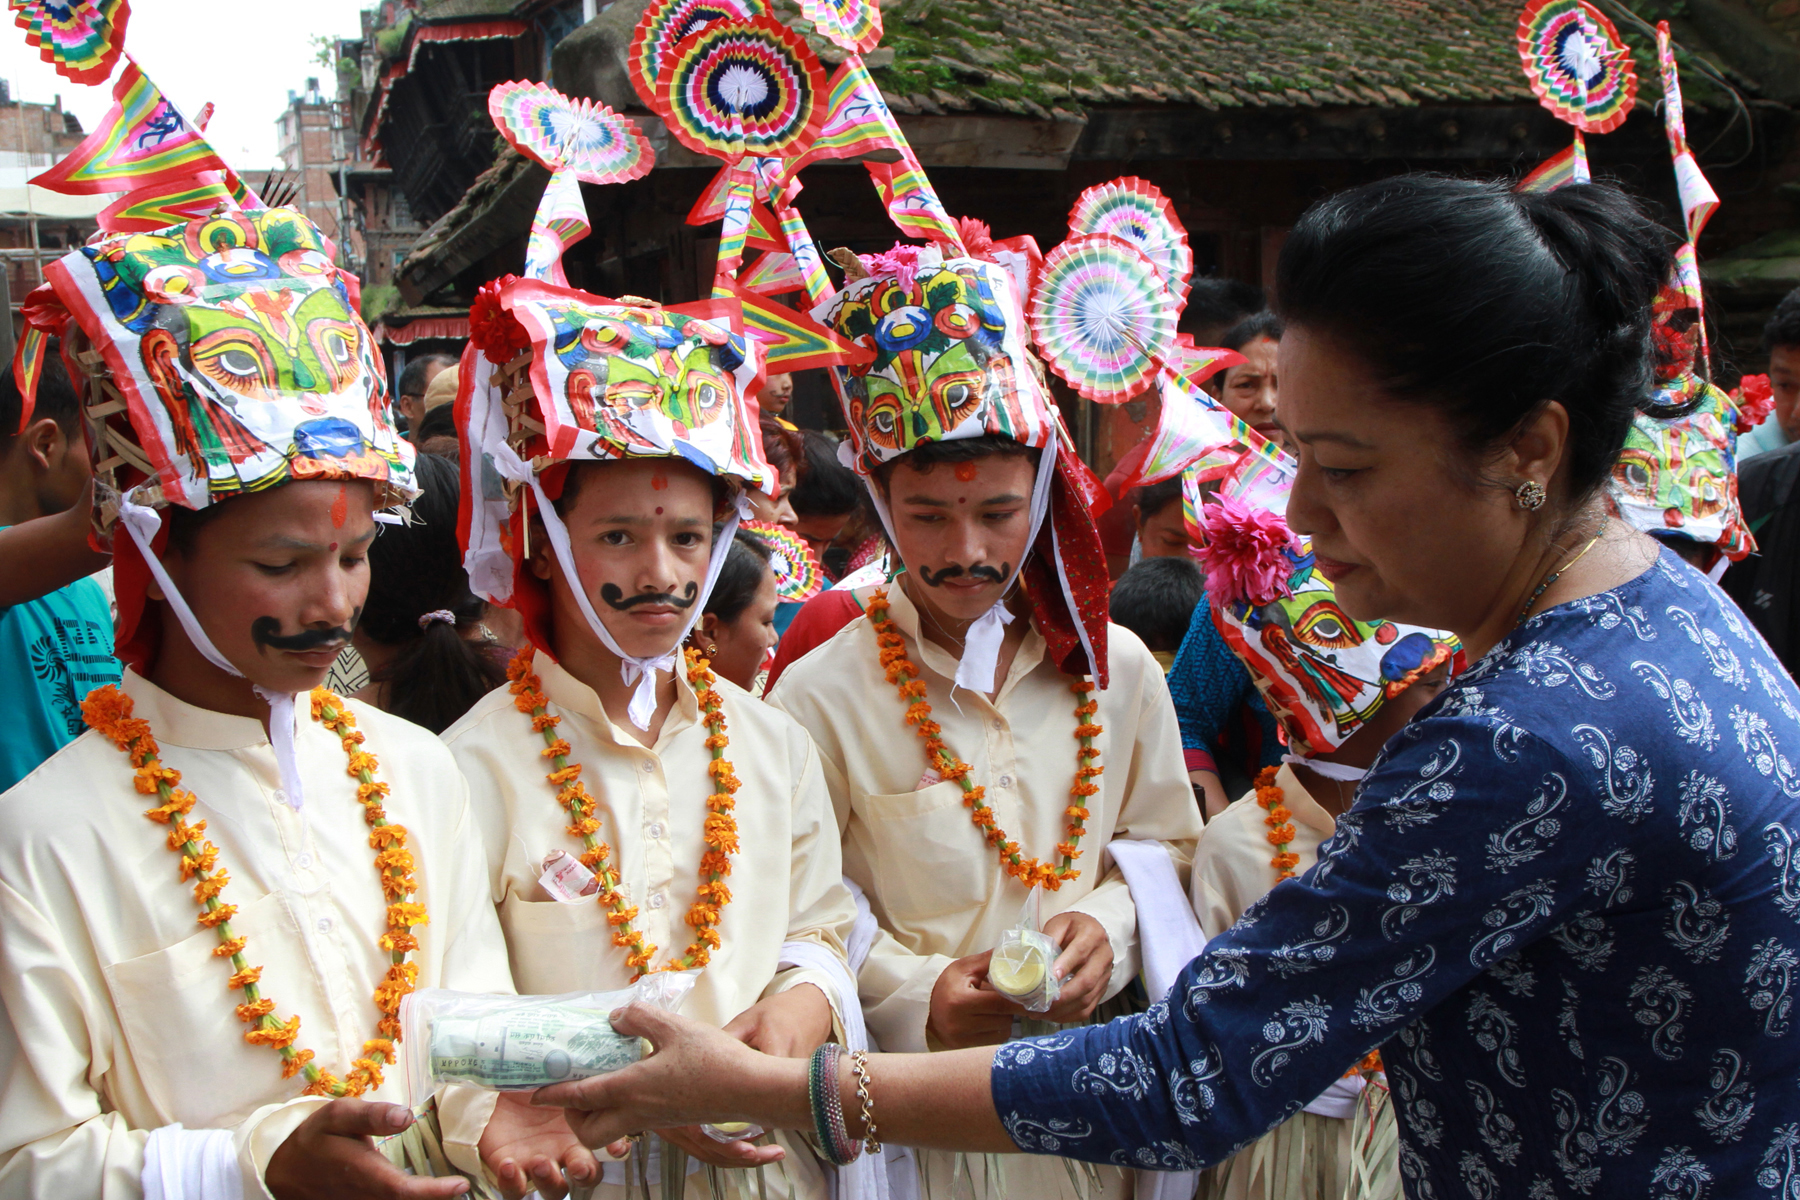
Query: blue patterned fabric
1216, 702
1566, 906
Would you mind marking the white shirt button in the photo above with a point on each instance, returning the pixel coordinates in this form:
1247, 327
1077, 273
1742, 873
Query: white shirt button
324, 924
649, 767
657, 899
999, 724
280, 796
303, 862
1006, 781
655, 830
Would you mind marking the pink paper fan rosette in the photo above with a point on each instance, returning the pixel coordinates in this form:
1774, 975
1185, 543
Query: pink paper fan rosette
736, 88
1577, 64
798, 575
557, 131
82, 39
1102, 317
854, 25
663, 26
1136, 210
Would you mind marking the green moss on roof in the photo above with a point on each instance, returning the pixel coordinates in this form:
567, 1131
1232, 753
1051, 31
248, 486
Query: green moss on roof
1041, 55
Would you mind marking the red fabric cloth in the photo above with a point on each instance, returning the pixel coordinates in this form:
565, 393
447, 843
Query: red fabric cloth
817, 622
1116, 525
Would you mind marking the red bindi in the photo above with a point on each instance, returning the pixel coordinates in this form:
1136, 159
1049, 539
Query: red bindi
962, 499
334, 545
659, 480
965, 471
659, 512
340, 508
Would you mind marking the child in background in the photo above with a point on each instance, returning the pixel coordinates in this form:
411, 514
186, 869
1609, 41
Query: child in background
1155, 600
53, 649
429, 654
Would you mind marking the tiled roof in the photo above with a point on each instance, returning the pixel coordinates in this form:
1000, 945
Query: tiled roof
461, 10
1034, 56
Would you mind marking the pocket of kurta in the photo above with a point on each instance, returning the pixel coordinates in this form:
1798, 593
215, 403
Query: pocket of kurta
181, 1027
928, 858
560, 947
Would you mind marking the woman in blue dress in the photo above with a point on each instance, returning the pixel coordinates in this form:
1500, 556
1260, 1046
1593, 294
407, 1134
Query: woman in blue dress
1566, 903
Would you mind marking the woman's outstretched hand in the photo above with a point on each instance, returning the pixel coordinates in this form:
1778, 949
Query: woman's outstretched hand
697, 1075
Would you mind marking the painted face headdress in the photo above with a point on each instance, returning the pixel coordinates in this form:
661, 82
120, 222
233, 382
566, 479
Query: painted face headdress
1677, 478
554, 376
215, 359
949, 361
1322, 672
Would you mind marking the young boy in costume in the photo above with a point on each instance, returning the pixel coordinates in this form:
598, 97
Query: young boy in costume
974, 744
1339, 688
641, 814
204, 1003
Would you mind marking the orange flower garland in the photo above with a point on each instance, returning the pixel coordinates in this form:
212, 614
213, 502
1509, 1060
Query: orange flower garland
720, 836
1279, 821
108, 710
1028, 871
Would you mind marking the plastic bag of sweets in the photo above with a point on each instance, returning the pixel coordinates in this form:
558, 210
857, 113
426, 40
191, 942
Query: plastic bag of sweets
1021, 968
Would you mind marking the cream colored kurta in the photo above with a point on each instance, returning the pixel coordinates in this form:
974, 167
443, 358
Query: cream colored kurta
1307, 1157
116, 1016
786, 879
934, 883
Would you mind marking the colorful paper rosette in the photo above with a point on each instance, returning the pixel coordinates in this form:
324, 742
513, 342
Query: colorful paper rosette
798, 575
1577, 64
1102, 317
1136, 210
82, 39
558, 131
746, 87
854, 25
663, 26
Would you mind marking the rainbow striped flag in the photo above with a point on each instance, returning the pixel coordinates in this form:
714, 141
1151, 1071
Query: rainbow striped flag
147, 209
560, 222
142, 141
29, 353
857, 118
912, 203
791, 340
738, 203
1560, 170
806, 257
772, 274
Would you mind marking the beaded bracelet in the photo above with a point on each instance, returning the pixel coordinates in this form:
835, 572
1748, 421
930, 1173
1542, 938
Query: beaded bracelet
822, 1087
859, 1067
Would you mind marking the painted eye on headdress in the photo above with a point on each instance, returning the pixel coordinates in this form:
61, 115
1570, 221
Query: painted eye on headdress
239, 362
708, 396
1636, 470
1325, 624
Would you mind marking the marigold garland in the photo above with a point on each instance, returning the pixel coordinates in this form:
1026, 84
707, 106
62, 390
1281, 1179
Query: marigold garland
1028, 871
109, 711
1281, 835
1280, 822
720, 835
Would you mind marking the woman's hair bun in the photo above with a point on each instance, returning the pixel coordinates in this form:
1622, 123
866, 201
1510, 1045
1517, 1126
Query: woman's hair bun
1486, 302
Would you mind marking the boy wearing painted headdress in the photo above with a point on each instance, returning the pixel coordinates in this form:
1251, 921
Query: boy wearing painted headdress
986, 734
1339, 688
205, 1002
641, 813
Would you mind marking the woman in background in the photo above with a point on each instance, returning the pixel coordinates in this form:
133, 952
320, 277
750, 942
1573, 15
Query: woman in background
737, 630
429, 655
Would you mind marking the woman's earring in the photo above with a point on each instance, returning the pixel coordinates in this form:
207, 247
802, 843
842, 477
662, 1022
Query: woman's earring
1530, 495
712, 650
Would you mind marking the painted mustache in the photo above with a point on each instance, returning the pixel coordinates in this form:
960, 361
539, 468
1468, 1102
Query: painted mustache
610, 593
978, 571
266, 633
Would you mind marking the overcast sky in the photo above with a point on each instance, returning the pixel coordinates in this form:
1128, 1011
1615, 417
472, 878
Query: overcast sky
244, 56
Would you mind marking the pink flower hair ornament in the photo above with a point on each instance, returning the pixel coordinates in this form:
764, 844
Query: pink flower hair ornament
902, 262
1249, 554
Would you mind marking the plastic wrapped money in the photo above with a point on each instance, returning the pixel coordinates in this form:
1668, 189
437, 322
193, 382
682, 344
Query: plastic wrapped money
517, 1043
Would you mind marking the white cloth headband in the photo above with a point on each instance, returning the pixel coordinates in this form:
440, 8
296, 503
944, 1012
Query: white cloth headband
639, 671
143, 523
